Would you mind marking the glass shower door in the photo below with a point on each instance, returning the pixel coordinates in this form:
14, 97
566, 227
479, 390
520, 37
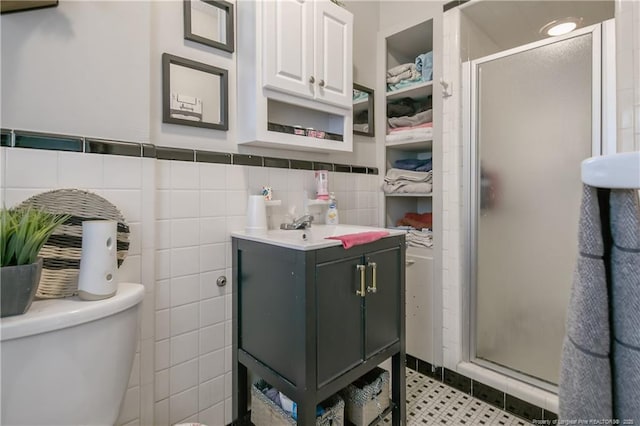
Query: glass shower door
533, 127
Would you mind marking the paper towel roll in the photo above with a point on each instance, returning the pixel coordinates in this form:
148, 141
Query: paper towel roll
98, 264
256, 215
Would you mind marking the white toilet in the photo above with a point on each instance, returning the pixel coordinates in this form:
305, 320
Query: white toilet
68, 361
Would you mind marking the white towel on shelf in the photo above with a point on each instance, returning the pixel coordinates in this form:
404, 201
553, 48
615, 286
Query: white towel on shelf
420, 238
404, 187
412, 135
399, 69
407, 175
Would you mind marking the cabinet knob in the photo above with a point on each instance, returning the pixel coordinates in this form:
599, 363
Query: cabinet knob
409, 262
321, 83
374, 286
362, 269
312, 80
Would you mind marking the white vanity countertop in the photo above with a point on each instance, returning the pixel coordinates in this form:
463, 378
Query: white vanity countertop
312, 238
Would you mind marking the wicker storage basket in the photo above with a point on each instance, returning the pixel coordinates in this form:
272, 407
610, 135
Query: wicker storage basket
367, 397
61, 253
265, 412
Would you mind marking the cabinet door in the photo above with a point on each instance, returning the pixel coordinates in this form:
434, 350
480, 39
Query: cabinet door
333, 46
340, 318
288, 46
419, 325
382, 308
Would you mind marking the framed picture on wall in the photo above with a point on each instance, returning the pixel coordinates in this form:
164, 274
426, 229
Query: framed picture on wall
209, 22
194, 94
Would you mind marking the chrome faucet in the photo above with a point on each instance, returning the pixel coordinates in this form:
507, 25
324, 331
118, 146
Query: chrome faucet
302, 222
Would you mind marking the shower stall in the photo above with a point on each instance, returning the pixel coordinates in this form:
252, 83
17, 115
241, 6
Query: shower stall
535, 112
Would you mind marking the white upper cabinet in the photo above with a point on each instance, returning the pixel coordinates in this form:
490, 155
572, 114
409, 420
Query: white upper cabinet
334, 53
288, 46
295, 75
308, 50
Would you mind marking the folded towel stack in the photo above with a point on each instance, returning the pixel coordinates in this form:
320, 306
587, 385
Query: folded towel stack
406, 181
417, 220
403, 75
403, 72
413, 164
422, 238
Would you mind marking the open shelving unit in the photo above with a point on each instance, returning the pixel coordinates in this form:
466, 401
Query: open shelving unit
401, 45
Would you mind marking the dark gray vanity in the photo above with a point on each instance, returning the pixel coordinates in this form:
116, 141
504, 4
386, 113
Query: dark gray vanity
311, 317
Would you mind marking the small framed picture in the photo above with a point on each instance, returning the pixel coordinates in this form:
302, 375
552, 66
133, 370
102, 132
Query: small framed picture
209, 22
194, 94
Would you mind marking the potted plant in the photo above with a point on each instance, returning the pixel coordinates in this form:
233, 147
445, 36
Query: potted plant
23, 232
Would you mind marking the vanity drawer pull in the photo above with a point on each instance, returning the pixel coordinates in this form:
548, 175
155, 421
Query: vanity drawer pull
312, 80
374, 287
362, 269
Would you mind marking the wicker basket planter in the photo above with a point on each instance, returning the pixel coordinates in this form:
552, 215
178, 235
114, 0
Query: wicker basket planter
62, 252
265, 412
367, 398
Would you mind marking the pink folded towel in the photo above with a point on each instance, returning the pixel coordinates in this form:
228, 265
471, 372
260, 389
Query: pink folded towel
351, 240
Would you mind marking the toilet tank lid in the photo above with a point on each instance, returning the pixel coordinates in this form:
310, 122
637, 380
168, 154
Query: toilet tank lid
54, 314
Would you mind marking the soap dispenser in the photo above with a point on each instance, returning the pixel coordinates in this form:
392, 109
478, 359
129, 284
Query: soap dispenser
332, 211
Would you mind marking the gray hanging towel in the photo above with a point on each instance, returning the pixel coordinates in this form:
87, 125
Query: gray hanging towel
625, 306
600, 366
584, 389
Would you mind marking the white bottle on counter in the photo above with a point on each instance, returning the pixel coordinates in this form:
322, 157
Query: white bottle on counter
332, 212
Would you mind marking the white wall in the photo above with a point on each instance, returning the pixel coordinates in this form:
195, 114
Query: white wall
79, 68
365, 29
474, 43
128, 183
167, 36
394, 13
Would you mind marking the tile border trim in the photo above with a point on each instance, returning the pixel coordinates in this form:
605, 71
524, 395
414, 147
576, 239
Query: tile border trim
483, 392
56, 142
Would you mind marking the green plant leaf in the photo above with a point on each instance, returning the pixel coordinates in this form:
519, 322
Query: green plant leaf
24, 232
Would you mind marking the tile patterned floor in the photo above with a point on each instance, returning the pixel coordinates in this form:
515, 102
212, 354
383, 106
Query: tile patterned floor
433, 403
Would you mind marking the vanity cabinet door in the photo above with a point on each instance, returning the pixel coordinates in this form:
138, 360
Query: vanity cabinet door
288, 47
339, 318
419, 311
382, 306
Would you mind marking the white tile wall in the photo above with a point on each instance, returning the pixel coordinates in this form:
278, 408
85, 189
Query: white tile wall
120, 180
207, 203
181, 215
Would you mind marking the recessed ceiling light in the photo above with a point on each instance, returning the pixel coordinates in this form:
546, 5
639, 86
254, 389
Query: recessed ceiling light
561, 26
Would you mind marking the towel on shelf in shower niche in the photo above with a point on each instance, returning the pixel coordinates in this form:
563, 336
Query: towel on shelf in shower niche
600, 364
